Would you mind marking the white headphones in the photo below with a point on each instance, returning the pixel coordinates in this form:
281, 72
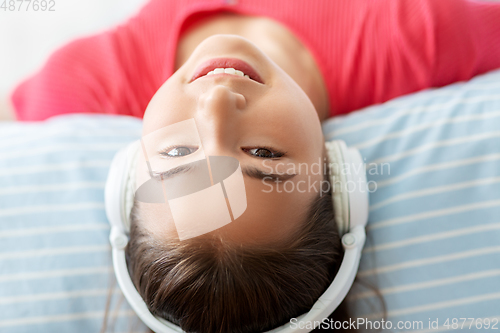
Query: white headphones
350, 200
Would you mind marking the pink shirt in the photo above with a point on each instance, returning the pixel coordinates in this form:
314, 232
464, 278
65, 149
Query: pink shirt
369, 51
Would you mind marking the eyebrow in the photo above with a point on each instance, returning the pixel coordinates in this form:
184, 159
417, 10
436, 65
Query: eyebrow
251, 172
257, 173
171, 172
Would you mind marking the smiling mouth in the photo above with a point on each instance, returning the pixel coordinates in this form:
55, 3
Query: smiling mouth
227, 66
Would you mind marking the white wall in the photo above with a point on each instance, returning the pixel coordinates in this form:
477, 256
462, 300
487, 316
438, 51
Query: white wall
27, 38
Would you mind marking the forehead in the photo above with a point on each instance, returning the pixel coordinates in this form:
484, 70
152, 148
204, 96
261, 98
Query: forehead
269, 217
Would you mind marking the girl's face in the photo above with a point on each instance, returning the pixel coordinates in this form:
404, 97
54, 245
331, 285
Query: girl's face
269, 126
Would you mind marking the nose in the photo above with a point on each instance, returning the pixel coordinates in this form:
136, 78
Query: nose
221, 99
219, 110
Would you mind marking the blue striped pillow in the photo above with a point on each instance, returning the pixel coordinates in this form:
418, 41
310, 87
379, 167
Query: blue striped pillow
433, 247
55, 260
433, 163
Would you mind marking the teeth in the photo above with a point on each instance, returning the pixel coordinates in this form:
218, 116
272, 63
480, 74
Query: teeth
228, 71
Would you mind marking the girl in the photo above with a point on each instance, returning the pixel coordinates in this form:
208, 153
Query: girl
286, 66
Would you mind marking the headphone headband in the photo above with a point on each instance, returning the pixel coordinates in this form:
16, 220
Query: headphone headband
351, 214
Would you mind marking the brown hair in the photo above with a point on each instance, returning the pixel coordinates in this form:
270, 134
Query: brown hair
207, 284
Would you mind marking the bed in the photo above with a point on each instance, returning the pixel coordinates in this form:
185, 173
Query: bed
433, 245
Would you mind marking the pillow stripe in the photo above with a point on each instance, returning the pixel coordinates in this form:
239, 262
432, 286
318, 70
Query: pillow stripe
55, 262
433, 235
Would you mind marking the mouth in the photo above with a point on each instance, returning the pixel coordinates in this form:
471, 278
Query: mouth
227, 66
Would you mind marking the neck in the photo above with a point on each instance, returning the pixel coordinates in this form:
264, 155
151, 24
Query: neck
273, 39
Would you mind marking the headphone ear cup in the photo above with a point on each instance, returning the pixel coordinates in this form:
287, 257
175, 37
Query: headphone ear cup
346, 201
128, 196
357, 189
336, 150
117, 190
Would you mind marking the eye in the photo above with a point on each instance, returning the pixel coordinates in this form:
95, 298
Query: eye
178, 151
263, 152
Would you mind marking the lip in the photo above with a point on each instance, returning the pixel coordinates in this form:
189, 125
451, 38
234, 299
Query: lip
237, 64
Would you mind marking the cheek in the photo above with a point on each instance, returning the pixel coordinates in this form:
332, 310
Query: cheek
296, 118
289, 97
168, 106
